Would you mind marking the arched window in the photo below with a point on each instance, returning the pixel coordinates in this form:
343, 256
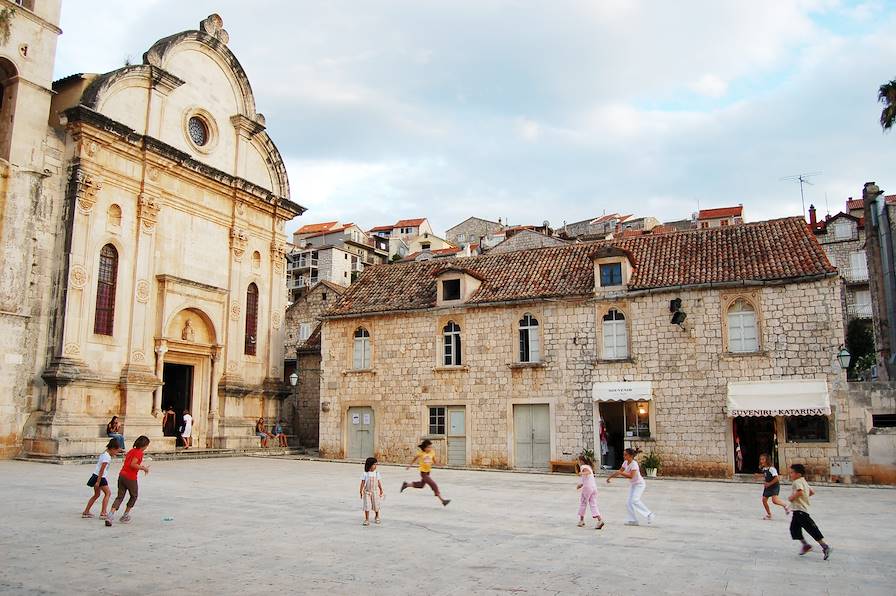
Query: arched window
361, 352
530, 340
107, 276
615, 335
8, 92
451, 336
251, 319
743, 334
114, 215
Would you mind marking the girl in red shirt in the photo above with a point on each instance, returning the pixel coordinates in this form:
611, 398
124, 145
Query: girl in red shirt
127, 479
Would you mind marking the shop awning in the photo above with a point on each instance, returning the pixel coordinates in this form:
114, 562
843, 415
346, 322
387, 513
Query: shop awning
779, 398
634, 391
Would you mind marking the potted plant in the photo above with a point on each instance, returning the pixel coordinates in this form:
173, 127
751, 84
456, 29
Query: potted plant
651, 464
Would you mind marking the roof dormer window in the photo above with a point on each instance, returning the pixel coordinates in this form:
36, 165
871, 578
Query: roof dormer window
612, 268
455, 286
610, 275
451, 289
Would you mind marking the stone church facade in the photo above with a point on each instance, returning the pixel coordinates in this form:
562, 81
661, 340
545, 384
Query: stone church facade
166, 284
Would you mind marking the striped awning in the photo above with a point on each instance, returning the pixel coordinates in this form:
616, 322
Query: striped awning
779, 398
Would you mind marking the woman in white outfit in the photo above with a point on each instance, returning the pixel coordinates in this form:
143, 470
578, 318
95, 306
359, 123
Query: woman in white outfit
631, 470
188, 430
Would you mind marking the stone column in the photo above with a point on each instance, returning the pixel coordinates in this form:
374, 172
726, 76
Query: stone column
213, 397
161, 349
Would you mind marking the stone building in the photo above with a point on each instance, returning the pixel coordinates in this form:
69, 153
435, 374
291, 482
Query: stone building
471, 230
706, 347
610, 223
164, 284
32, 185
842, 237
302, 351
526, 240
719, 217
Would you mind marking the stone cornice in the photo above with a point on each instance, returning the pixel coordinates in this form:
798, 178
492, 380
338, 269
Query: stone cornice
246, 125
24, 12
169, 279
86, 116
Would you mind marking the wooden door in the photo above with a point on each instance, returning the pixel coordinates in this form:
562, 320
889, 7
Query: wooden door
457, 436
532, 436
360, 432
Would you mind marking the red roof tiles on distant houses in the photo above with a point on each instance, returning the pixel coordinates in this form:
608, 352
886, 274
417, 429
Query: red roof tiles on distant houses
776, 250
409, 223
335, 230
381, 229
721, 212
438, 252
318, 227
852, 204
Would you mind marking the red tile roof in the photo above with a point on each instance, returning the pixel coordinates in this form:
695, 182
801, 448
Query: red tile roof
721, 212
852, 203
781, 249
381, 229
409, 223
334, 230
318, 227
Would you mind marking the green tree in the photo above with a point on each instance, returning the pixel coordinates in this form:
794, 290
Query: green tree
887, 96
860, 343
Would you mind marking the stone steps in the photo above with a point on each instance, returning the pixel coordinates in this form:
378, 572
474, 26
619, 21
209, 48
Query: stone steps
179, 454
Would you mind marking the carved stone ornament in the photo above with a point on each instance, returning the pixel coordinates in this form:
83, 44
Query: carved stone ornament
275, 320
71, 350
91, 148
239, 239
187, 333
77, 277
232, 366
88, 186
213, 25
138, 356
142, 292
278, 255
147, 211
234, 312
275, 372
153, 173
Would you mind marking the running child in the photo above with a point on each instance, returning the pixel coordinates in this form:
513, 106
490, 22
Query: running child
799, 504
771, 486
631, 470
589, 493
371, 490
127, 479
99, 482
426, 459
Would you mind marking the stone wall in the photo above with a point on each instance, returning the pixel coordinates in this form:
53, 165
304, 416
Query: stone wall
526, 240
873, 449
306, 423
471, 230
689, 369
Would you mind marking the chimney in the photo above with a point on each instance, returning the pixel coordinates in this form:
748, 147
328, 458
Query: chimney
812, 220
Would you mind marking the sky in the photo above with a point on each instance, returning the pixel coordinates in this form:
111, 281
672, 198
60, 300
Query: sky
543, 111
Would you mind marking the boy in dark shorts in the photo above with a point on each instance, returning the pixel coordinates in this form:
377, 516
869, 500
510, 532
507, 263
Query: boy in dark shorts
771, 486
799, 500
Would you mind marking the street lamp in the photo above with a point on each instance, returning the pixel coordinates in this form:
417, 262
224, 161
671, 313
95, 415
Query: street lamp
293, 379
843, 356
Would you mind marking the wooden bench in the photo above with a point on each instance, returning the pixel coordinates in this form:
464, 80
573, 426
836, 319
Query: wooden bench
564, 464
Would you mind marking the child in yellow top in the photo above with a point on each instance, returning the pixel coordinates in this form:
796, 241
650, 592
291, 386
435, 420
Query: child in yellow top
425, 459
799, 504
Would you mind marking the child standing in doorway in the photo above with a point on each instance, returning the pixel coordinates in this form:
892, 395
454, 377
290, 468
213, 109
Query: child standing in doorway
426, 459
799, 502
99, 482
771, 486
371, 490
589, 493
187, 435
127, 479
631, 470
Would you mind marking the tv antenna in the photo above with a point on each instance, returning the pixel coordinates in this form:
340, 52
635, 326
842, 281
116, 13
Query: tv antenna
802, 179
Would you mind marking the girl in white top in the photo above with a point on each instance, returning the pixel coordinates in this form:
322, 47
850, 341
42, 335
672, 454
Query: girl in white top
371, 490
98, 481
188, 430
631, 470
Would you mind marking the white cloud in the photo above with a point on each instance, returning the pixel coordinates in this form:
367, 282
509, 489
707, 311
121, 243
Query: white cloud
710, 85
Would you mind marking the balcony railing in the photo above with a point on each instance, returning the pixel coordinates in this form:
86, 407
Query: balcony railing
295, 283
854, 274
303, 262
859, 311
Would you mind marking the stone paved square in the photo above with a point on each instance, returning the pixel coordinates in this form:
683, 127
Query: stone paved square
270, 525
